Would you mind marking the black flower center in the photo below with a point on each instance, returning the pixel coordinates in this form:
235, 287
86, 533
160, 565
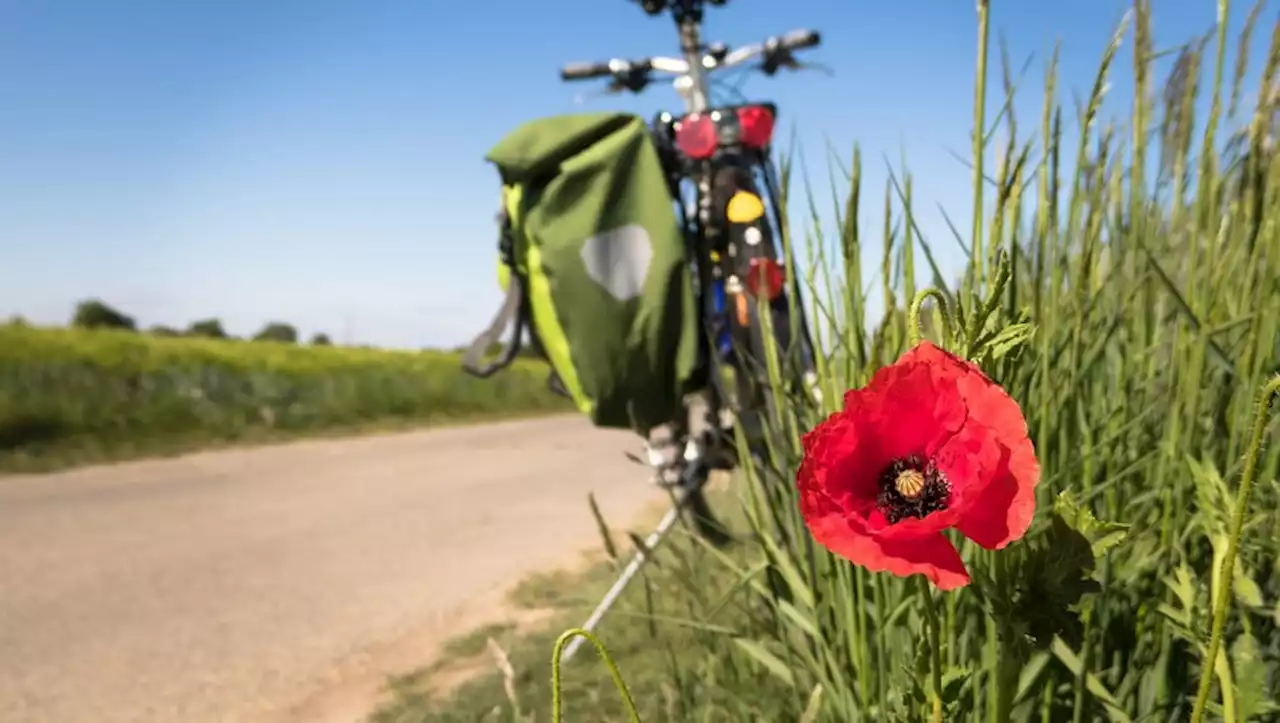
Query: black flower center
912, 487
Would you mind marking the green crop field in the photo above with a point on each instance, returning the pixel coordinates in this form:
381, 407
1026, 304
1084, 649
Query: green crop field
1124, 289
71, 395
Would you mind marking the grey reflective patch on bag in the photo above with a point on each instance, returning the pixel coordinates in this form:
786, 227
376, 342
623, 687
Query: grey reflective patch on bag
618, 260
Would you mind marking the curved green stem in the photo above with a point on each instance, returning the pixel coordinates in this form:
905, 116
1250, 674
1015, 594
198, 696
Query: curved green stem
556, 714
1223, 603
913, 317
935, 648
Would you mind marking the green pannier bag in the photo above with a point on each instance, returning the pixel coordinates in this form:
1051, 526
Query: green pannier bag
594, 266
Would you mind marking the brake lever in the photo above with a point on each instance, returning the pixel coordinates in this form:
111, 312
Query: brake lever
776, 60
786, 59
820, 67
613, 88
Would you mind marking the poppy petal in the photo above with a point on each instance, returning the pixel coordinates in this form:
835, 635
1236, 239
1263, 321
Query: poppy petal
1003, 497
842, 461
1003, 511
969, 460
911, 404
932, 556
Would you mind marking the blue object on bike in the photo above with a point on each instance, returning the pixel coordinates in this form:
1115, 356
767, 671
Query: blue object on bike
724, 343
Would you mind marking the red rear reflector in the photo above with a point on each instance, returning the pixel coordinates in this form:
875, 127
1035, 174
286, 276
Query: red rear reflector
767, 275
756, 124
697, 136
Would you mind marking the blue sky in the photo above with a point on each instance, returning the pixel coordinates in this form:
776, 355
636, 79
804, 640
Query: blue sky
321, 161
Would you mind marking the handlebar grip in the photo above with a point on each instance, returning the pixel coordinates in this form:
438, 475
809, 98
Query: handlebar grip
584, 71
797, 39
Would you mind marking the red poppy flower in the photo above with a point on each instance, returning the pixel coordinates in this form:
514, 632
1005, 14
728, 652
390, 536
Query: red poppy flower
929, 444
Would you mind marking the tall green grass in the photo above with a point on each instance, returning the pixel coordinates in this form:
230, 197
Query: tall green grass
1150, 274
76, 394
1155, 304
1143, 255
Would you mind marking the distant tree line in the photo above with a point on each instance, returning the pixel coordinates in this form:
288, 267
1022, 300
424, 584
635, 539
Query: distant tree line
97, 314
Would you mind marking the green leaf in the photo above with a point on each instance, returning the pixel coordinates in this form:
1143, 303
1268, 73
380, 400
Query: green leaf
1102, 536
919, 672
1007, 340
953, 682
1030, 675
1216, 354
895, 617
606, 536
1050, 578
1227, 686
1072, 661
1250, 671
806, 624
1183, 585
796, 584
1213, 497
642, 548
1247, 591
814, 706
1219, 543
758, 652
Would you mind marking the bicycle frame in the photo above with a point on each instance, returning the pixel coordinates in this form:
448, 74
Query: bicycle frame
722, 261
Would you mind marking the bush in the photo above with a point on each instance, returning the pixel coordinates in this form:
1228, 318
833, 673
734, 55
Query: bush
208, 329
279, 332
96, 314
62, 386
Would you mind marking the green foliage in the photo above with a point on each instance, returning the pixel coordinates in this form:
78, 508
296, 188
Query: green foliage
97, 314
105, 390
207, 328
277, 331
1135, 327
1135, 331
321, 339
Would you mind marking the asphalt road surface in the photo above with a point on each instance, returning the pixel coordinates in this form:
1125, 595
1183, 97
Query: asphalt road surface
282, 584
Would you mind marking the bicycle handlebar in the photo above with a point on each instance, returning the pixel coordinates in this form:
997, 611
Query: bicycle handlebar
586, 71
794, 40
800, 39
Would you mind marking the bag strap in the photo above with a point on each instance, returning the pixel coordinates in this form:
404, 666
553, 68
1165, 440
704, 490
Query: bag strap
556, 385
514, 312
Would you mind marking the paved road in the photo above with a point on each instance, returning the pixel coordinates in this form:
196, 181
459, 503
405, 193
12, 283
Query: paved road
249, 585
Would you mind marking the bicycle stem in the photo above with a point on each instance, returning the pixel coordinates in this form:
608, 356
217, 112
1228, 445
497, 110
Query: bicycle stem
695, 91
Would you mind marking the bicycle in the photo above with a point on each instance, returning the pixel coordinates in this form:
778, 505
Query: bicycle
712, 156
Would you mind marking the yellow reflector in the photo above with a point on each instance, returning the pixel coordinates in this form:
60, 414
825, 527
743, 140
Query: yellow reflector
744, 207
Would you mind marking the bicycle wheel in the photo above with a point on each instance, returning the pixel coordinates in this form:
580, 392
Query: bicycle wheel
758, 337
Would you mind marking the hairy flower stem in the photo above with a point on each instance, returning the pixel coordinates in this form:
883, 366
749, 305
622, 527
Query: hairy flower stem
557, 714
1004, 681
913, 318
1223, 604
935, 649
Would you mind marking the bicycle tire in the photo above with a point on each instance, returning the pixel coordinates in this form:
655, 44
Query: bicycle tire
756, 401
